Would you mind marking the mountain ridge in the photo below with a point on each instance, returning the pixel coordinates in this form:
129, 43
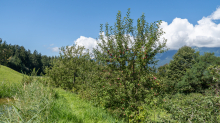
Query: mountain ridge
166, 57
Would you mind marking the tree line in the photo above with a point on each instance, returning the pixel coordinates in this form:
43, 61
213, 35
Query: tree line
18, 58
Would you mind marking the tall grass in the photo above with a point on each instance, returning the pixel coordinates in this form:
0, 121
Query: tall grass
8, 89
35, 102
32, 104
82, 111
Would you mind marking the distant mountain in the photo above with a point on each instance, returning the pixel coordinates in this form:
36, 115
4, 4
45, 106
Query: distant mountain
166, 57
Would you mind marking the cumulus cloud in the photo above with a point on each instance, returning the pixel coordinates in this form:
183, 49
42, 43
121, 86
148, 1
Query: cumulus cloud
178, 33
90, 43
204, 34
55, 49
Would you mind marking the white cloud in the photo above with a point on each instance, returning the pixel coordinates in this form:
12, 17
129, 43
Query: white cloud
55, 49
90, 43
51, 44
179, 33
205, 34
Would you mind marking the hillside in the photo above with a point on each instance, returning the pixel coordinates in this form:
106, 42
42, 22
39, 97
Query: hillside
9, 75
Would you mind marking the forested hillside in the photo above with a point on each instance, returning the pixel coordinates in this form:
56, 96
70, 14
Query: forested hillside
18, 58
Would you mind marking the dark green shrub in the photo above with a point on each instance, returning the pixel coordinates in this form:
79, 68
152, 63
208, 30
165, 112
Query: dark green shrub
193, 108
214, 70
66, 69
162, 70
182, 61
198, 78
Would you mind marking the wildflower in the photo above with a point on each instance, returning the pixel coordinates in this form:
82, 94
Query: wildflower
122, 108
103, 86
138, 84
124, 114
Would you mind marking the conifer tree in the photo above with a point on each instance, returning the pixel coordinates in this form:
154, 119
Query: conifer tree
182, 61
198, 78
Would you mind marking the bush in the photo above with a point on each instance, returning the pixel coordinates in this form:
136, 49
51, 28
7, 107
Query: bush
193, 108
198, 78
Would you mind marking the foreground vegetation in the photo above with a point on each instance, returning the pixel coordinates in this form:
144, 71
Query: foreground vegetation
35, 102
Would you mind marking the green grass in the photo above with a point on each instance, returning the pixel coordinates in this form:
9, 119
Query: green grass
9, 75
53, 105
7, 90
36, 102
83, 111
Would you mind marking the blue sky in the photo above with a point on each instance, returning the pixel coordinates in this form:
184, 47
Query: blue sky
46, 25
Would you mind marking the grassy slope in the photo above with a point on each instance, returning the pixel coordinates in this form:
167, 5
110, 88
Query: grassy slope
82, 110
9, 75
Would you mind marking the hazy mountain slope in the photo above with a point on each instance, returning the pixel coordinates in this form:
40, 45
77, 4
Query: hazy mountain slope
167, 56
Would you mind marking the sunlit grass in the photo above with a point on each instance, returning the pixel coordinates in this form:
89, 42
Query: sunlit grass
37, 103
10, 76
32, 103
84, 110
